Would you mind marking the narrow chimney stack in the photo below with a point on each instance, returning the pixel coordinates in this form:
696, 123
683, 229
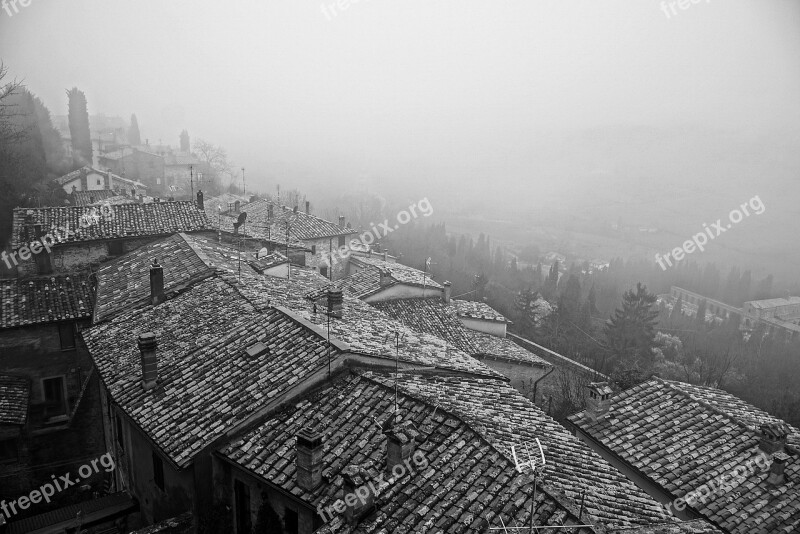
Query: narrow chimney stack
148, 350
200, 200
401, 441
308, 207
156, 283
446, 293
385, 255
335, 303
236, 206
269, 212
599, 400
309, 458
354, 477
341, 222
776, 475
773, 437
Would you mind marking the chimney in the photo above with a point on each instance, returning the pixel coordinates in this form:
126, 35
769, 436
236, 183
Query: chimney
109, 179
386, 278
385, 254
776, 475
353, 478
269, 212
236, 206
91, 199
335, 303
446, 294
147, 348
341, 222
141, 199
156, 283
773, 437
308, 207
599, 400
309, 458
200, 200
401, 440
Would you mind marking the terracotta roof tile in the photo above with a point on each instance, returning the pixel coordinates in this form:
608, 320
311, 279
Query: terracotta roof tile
14, 395
111, 222
467, 427
44, 300
478, 310
682, 437
124, 283
400, 273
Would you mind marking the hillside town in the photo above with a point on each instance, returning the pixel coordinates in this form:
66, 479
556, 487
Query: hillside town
399, 267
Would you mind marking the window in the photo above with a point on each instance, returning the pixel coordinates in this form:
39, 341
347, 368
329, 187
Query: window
242, 498
341, 240
323, 271
98, 181
54, 397
290, 521
158, 471
66, 333
120, 439
8, 450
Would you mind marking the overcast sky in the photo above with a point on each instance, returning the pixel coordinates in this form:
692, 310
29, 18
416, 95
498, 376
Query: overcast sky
434, 92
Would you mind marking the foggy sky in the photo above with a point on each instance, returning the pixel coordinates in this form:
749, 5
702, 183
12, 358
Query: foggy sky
433, 93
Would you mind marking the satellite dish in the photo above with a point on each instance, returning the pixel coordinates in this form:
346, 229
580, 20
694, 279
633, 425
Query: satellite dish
242, 217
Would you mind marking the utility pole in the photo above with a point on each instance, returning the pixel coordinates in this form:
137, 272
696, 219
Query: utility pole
191, 182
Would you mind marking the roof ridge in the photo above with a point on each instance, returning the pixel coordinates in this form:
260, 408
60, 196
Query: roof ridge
704, 403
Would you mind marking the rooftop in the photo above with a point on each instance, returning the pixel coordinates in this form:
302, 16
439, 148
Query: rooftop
208, 384
364, 285
14, 394
478, 310
682, 436
302, 226
468, 426
773, 303
115, 221
86, 198
124, 283
31, 301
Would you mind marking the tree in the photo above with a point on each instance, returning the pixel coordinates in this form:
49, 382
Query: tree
700, 318
630, 333
79, 128
185, 141
134, 137
525, 306
216, 161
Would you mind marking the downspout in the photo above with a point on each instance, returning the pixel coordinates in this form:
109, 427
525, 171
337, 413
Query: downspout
552, 368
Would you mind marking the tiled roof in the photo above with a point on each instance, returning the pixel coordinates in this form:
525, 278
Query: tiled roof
773, 303
44, 300
360, 283
115, 221
225, 200
302, 225
124, 283
505, 349
400, 273
14, 394
181, 524
77, 173
364, 328
698, 526
433, 316
208, 384
86, 198
468, 426
682, 437
478, 310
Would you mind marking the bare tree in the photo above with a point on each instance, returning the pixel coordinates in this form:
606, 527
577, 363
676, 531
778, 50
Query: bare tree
9, 133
